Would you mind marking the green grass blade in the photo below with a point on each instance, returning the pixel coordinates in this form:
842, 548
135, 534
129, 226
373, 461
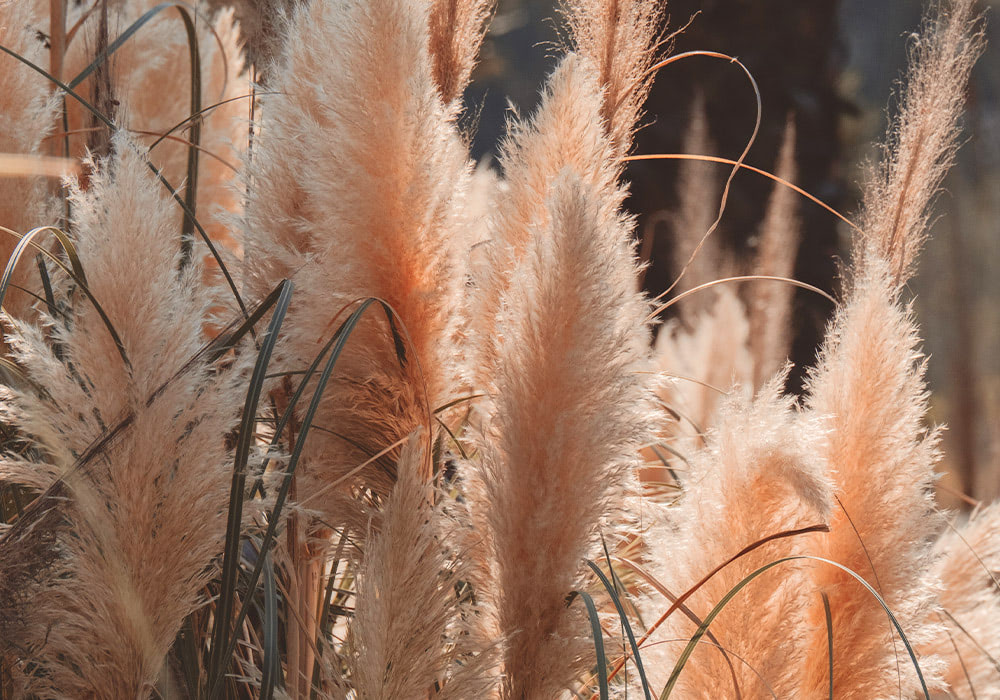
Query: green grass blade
689, 649
194, 142
231, 556
595, 628
336, 347
628, 627
272, 658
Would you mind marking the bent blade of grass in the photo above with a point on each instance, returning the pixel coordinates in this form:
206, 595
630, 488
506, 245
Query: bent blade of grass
104, 119
625, 623
231, 556
749, 168
740, 278
77, 274
336, 347
598, 633
703, 628
739, 161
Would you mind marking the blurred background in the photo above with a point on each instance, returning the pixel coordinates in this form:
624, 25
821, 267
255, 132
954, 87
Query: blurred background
831, 65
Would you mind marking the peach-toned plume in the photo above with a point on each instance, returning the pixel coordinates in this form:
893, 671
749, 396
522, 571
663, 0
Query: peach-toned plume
869, 380
129, 527
28, 116
565, 132
922, 140
404, 631
577, 126
570, 411
968, 565
701, 361
456, 32
357, 190
770, 303
619, 37
761, 474
697, 259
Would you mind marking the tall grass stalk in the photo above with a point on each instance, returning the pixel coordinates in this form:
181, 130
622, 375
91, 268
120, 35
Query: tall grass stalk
297, 402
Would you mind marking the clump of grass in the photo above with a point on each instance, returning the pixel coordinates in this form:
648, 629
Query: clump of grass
360, 422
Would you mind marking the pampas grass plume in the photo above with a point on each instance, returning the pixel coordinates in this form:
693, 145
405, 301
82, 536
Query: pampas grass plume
561, 442
149, 512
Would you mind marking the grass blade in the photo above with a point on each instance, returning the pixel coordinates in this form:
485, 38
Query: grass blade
272, 659
689, 649
336, 347
628, 627
231, 556
595, 628
829, 636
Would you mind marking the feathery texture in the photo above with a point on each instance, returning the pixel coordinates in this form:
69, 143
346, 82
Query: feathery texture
565, 132
698, 193
761, 474
406, 601
456, 32
869, 379
922, 140
356, 190
579, 125
28, 116
968, 565
770, 303
133, 530
700, 364
619, 38
560, 446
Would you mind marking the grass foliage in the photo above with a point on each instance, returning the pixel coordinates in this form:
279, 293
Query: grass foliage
359, 420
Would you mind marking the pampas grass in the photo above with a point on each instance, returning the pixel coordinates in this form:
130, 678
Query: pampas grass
102, 614
446, 474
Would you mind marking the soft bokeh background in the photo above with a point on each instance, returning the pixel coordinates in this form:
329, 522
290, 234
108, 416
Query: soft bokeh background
833, 64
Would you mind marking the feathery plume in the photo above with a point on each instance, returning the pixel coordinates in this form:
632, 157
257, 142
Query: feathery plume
922, 140
135, 520
760, 475
403, 628
698, 192
770, 303
619, 38
569, 417
869, 379
576, 126
457, 28
356, 191
968, 565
